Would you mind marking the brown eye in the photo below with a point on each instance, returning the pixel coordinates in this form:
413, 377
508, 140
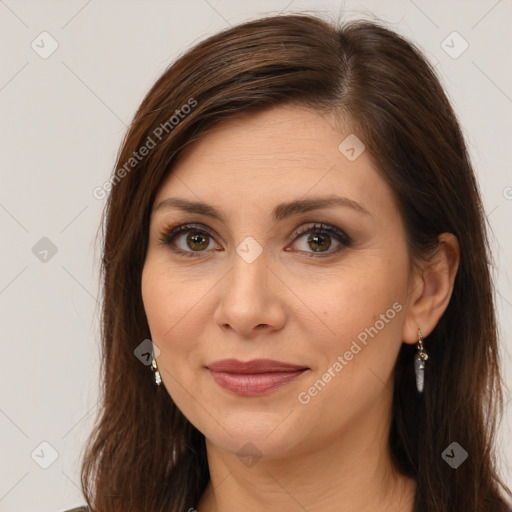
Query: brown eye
197, 240
187, 239
320, 238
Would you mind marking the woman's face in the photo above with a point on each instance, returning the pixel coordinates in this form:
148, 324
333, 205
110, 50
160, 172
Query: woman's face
322, 287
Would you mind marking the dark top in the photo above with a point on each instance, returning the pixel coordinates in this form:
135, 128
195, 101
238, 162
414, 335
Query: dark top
85, 509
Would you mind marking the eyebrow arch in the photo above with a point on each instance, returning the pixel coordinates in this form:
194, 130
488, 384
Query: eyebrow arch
280, 212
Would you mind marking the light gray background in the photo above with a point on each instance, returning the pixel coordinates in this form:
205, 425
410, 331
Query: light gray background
63, 119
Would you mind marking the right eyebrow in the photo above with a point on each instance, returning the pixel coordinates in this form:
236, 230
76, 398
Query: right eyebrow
280, 212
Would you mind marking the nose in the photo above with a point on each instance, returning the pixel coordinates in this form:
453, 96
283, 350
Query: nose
251, 299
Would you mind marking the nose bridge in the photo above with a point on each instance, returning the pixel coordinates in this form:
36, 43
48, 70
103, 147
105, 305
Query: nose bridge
248, 299
250, 269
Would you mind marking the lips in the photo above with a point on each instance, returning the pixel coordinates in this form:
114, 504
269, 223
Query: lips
255, 377
254, 366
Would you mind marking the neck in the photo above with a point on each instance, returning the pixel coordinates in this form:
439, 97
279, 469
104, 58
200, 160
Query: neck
350, 473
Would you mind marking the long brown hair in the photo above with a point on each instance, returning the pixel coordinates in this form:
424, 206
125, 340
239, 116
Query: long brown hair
143, 454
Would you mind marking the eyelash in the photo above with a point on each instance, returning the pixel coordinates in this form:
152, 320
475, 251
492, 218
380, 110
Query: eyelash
168, 235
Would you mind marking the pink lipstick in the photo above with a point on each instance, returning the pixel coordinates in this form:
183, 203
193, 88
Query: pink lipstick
255, 377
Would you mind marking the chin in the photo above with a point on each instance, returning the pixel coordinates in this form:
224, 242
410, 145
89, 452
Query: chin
269, 440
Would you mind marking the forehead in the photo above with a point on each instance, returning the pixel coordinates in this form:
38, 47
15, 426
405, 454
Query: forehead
279, 154
281, 134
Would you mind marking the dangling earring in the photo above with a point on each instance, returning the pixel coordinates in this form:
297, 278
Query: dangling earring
154, 367
419, 363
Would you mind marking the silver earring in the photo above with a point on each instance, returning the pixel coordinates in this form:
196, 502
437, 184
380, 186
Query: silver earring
154, 368
419, 363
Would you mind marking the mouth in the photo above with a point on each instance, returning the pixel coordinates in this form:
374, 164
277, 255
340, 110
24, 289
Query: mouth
256, 377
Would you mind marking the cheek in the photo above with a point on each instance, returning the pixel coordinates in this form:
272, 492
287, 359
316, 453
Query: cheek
363, 309
167, 299
356, 363
171, 308
354, 298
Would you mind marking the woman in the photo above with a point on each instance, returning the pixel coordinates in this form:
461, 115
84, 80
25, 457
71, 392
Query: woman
295, 225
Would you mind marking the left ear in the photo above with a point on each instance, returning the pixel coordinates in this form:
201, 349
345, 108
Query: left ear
432, 289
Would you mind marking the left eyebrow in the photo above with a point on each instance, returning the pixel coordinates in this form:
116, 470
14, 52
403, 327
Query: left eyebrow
284, 210
280, 212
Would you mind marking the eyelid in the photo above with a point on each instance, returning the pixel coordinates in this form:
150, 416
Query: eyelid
171, 232
322, 227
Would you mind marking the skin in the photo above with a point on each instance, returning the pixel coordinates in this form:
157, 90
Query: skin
298, 306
